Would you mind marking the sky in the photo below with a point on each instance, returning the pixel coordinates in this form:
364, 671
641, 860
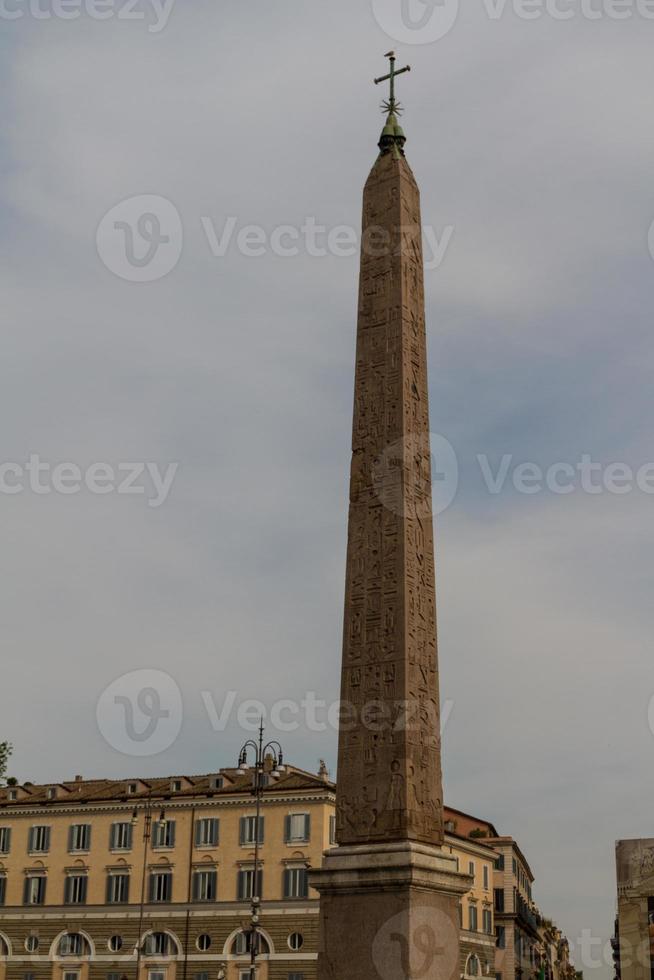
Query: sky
171, 324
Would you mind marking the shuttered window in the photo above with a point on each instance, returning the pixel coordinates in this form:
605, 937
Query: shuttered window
297, 828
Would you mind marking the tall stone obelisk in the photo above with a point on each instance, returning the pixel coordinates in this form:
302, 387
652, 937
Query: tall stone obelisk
389, 892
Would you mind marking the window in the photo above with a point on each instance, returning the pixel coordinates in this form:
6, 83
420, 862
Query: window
132, 788
117, 889
296, 941
247, 834
473, 968
243, 944
332, 831
500, 937
487, 922
297, 828
163, 833
246, 884
71, 974
201, 976
52, 793
75, 890
472, 919
114, 976
486, 877
13, 794
161, 886
296, 884
32, 944
499, 899
79, 837
115, 944
73, 944
205, 885
471, 868
121, 837
34, 893
207, 832
217, 782
3, 889
176, 785
515, 866
5, 840
39, 840
204, 942
158, 944
156, 975
296, 976
499, 863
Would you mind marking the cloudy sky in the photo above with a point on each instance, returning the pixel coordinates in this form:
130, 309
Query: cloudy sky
141, 146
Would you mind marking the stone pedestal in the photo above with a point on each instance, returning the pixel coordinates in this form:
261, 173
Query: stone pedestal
389, 912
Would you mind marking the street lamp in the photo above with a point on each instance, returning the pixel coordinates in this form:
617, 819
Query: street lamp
261, 754
147, 834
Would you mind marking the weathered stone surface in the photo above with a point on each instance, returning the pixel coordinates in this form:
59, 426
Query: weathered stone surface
389, 771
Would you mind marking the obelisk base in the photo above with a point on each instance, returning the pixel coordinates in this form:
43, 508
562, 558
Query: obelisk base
389, 912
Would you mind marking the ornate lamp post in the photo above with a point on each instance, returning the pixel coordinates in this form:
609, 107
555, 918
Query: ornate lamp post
147, 834
272, 750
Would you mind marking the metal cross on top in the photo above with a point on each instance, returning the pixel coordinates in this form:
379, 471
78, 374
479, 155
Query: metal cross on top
392, 105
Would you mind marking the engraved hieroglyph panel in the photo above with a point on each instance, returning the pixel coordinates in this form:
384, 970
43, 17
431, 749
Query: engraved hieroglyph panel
389, 749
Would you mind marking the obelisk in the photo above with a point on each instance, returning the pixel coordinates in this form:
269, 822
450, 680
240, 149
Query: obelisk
389, 892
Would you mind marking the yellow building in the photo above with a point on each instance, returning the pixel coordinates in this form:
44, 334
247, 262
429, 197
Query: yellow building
83, 887
74, 868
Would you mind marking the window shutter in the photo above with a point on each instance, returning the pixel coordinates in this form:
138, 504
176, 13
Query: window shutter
215, 831
307, 826
258, 885
43, 882
171, 833
260, 829
71, 838
109, 891
85, 885
32, 834
46, 843
198, 833
112, 837
26, 891
7, 840
241, 886
130, 831
87, 837
287, 829
151, 888
287, 881
242, 826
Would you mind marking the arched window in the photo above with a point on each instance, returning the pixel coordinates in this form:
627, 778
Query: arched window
242, 944
73, 944
159, 944
473, 967
4, 949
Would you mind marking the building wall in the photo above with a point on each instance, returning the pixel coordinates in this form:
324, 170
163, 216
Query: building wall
635, 876
185, 920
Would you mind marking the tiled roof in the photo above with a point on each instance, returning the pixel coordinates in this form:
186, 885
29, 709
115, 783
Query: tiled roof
107, 790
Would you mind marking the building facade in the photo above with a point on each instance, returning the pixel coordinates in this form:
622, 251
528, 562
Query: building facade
84, 896
633, 944
82, 890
